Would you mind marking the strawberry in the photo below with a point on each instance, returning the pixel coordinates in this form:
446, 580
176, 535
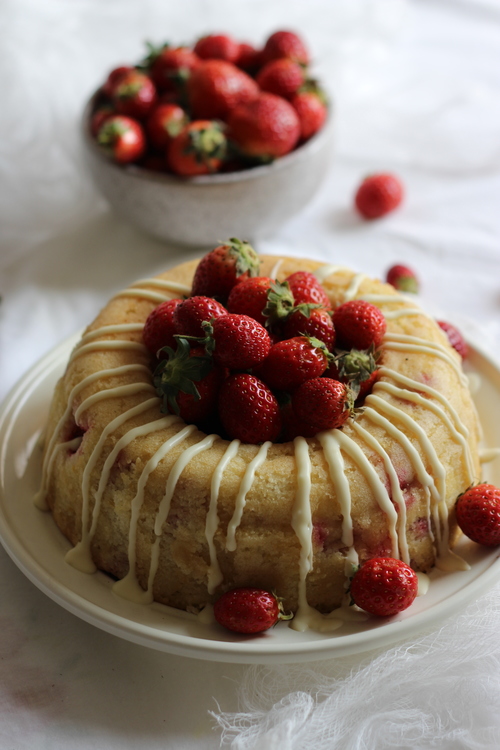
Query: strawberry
164, 123
455, 338
190, 314
279, 305
384, 586
358, 368
122, 138
478, 514
310, 320
285, 44
402, 278
323, 403
200, 148
282, 77
248, 409
312, 111
216, 87
359, 325
99, 116
305, 287
217, 47
134, 95
219, 270
248, 58
170, 67
113, 78
249, 297
264, 128
188, 382
293, 361
378, 195
248, 610
159, 329
237, 341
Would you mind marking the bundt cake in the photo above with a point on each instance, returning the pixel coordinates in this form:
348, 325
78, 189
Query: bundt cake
179, 515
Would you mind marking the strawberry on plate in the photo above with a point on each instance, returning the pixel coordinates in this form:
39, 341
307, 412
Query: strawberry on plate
454, 337
217, 47
310, 320
237, 341
248, 409
134, 95
359, 325
248, 610
264, 128
222, 268
323, 403
384, 586
250, 297
478, 514
285, 44
122, 138
378, 195
216, 87
305, 287
282, 77
402, 278
293, 361
199, 149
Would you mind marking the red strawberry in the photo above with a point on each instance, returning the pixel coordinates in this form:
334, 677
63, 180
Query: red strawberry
323, 403
164, 123
190, 314
290, 363
248, 58
122, 138
134, 95
237, 341
478, 514
216, 87
358, 368
455, 338
402, 278
249, 297
384, 586
114, 77
172, 66
285, 44
248, 409
359, 325
159, 329
282, 77
220, 269
188, 383
305, 287
198, 149
98, 118
378, 195
248, 610
312, 111
265, 128
308, 320
217, 47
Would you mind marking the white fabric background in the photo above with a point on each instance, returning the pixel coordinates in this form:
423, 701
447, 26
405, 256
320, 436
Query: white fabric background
416, 87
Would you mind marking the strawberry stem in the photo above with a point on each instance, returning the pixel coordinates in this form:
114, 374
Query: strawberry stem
178, 373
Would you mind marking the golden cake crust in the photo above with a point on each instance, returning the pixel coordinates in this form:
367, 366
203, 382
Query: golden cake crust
430, 433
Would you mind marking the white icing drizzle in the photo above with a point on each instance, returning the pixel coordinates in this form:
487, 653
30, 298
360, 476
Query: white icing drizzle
488, 454
402, 342
212, 521
423, 583
168, 285
136, 290
245, 486
327, 270
110, 330
397, 494
394, 314
352, 290
102, 346
273, 273
128, 587
119, 392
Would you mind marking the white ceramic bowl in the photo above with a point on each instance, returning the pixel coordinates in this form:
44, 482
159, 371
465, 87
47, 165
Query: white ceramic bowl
202, 211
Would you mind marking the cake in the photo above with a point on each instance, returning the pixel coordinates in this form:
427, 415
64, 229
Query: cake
179, 516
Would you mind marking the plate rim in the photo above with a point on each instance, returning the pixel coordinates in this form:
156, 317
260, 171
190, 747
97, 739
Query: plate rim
244, 651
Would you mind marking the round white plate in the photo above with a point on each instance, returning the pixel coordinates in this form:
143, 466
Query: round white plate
37, 547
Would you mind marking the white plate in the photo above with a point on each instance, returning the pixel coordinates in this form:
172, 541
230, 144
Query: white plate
37, 547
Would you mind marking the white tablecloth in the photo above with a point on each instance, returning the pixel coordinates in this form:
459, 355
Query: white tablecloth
416, 87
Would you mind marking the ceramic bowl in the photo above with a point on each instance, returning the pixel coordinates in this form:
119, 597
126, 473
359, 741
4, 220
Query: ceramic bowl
202, 211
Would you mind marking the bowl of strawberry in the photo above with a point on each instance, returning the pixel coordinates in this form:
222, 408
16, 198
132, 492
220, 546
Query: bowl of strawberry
199, 142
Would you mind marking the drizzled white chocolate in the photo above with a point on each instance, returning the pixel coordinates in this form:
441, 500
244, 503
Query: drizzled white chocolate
382, 408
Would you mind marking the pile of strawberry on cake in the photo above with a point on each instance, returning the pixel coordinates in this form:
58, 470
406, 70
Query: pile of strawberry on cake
257, 359
217, 105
